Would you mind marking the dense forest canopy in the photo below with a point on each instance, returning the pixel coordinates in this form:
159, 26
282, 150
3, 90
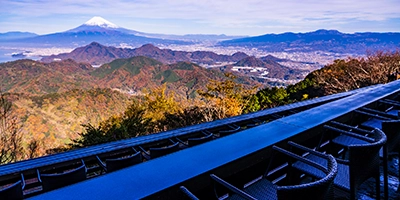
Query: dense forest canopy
37, 124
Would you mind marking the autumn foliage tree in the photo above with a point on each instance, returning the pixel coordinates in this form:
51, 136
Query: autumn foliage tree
158, 101
191, 115
228, 96
158, 110
132, 123
352, 73
11, 148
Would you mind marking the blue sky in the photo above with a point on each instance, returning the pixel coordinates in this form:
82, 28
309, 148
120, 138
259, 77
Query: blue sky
231, 17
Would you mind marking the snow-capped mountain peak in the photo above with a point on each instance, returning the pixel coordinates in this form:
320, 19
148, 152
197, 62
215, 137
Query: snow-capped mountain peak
99, 21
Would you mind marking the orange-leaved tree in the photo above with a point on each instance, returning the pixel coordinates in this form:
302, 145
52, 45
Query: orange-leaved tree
227, 95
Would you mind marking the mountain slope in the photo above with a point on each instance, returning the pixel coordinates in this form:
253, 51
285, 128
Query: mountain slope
54, 99
16, 35
268, 69
96, 54
130, 75
96, 29
56, 118
350, 74
131, 65
32, 77
320, 40
138, 73
162, 55
85, 36
251, 61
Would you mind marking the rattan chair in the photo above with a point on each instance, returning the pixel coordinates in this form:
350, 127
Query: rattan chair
205, 136
57, 180
233, 129
113, 164
13, 191
199, 140
392, 107
362, 160
392, 131
187, 193
255, 122
265, 189
390, 125
155, 152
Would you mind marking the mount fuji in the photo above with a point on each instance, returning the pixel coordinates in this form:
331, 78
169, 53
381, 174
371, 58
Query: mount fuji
103, 31
96, 29
102, 25
98, 21
99, 24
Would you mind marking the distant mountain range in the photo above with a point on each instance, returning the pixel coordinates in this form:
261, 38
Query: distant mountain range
97, 54
268, 66
129, 75
102, 31
321, 40
16, 35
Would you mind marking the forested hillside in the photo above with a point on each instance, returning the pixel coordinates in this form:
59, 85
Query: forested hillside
226, 98
352, 73
52, 100
36, 78
83, 106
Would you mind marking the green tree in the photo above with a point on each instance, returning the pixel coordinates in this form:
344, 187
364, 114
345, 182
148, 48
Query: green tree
306, 87
253, 104
272, 97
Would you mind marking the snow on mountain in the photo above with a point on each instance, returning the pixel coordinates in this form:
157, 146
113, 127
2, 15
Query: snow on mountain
99, 21
101, 30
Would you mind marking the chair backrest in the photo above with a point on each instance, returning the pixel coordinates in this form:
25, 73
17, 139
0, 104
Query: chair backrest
230, 131
392, 131
200, 140
119, 163
161, 151
13, 191
364, 159
319, 189
187, 193
54, 181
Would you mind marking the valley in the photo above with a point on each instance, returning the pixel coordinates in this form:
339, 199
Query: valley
94, 73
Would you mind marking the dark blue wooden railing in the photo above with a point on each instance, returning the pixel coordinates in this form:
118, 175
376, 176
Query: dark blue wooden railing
123, 144
161, 177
